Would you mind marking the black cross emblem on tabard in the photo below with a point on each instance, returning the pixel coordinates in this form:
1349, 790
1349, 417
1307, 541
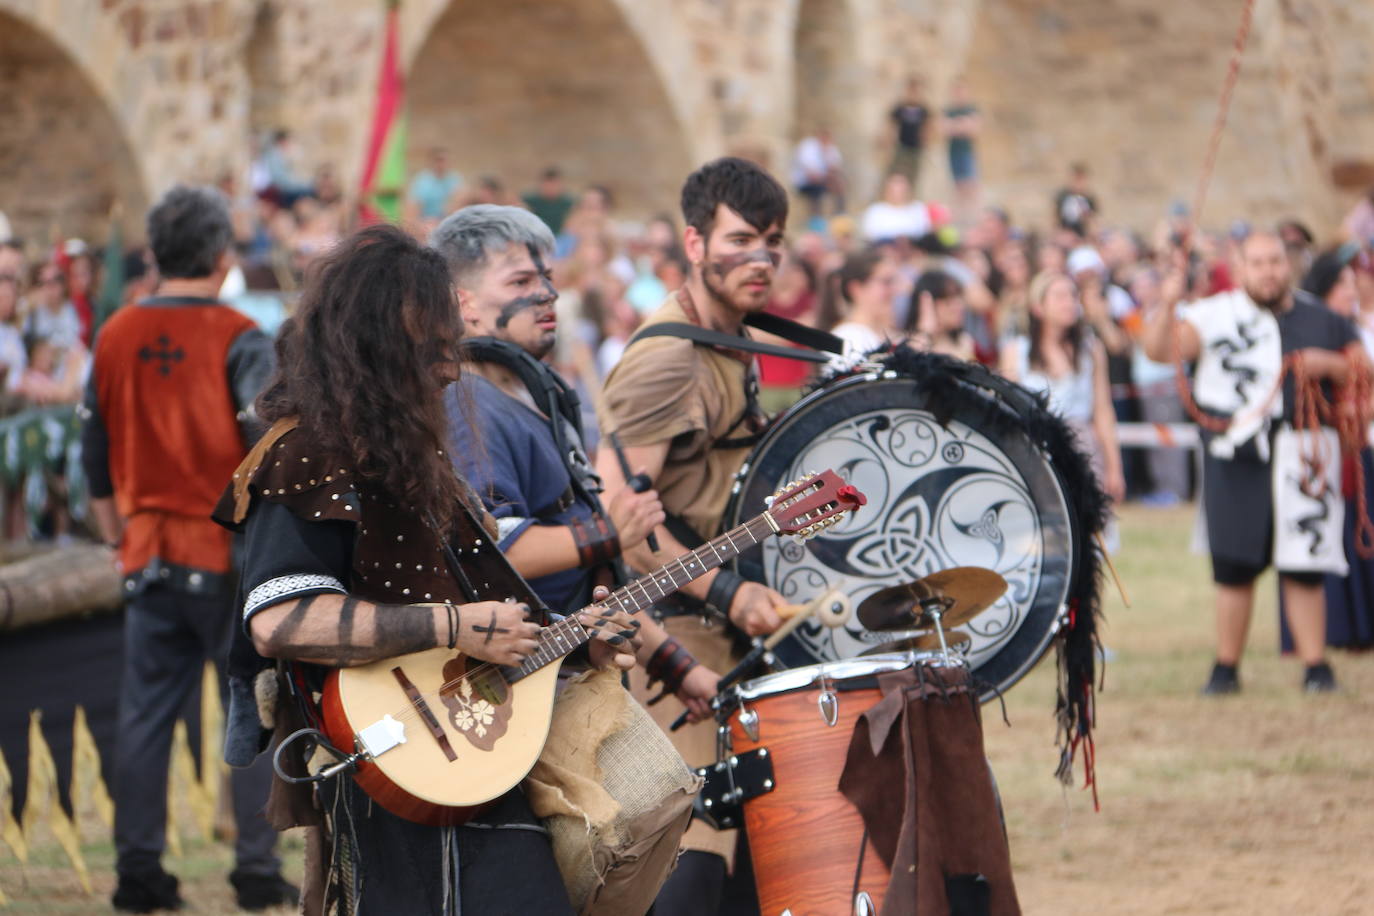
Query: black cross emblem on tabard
164, 353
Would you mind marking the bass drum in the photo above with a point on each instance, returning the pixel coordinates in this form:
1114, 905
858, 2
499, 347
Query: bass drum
975, 491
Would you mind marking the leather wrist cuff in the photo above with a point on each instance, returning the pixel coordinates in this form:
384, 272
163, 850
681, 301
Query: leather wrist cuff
596, 540
670, 664
722, 590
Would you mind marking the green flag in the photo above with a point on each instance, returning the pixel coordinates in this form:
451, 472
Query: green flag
111, 276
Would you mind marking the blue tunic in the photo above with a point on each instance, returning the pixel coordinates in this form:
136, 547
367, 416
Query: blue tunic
515, 466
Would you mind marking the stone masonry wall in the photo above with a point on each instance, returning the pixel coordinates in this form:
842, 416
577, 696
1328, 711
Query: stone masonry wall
633, 92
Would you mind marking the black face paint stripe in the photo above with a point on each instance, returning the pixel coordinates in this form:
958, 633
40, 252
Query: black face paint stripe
547, 296
518, 305
539, 265
723, 265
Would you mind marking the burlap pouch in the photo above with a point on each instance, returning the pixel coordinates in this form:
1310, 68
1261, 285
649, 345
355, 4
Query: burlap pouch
614, 794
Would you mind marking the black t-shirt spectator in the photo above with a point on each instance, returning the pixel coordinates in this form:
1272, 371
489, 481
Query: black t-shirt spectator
910, 120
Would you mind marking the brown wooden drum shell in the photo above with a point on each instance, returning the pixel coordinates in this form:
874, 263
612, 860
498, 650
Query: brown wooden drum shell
804, 835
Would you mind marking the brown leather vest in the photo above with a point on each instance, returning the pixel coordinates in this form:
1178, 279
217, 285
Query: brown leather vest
398, 556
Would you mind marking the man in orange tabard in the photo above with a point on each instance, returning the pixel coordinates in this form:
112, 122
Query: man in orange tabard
166, 413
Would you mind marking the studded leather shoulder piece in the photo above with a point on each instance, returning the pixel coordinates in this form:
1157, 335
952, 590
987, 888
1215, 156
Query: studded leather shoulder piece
283, 468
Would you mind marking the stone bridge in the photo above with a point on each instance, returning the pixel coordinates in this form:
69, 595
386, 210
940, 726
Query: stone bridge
105, 100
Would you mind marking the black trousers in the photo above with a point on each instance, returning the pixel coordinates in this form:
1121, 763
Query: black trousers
168, 636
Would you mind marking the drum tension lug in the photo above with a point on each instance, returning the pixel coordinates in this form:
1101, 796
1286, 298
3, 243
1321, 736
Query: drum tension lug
729, 784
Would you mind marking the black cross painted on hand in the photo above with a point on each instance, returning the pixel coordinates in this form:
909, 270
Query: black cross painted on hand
491, 630
164, 353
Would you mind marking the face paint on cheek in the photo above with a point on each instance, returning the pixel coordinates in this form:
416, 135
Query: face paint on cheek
538, 260
723, 265
546, 296
516, 306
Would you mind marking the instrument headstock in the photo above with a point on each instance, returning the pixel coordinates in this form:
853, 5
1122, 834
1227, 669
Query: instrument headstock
806, 507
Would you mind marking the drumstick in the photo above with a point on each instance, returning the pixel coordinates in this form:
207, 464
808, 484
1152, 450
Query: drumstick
798, 613
638, 483
836, 612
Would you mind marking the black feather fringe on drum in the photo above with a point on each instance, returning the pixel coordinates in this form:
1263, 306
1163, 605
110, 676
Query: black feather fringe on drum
952, 387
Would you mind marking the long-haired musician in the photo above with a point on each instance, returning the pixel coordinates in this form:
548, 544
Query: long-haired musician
356, 527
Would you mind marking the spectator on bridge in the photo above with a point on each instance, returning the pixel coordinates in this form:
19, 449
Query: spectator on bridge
961, 124
910, 120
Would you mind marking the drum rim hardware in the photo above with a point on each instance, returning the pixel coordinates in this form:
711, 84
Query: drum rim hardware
747, 776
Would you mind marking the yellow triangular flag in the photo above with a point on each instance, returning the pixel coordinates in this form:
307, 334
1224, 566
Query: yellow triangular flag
212, 765
42, 800
9, 827
184, 771
88, 785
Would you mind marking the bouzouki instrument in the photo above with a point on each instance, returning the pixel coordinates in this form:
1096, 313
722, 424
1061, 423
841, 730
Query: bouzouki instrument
438, 735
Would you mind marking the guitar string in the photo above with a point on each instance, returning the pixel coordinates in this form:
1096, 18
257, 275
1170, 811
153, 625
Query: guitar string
410, 713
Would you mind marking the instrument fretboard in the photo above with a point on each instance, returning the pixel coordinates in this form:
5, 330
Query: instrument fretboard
566, 635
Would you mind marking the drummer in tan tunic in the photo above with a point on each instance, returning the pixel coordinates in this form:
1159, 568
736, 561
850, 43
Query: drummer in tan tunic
686, 412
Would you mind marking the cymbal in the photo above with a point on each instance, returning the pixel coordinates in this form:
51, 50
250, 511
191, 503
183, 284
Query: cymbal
967, 591
926, 642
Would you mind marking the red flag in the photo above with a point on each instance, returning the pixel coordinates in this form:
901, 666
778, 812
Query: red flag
383, 169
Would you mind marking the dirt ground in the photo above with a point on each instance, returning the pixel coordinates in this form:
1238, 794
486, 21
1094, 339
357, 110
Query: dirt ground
1257, 804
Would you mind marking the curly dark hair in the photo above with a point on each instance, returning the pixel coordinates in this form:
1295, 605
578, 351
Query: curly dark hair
360, 362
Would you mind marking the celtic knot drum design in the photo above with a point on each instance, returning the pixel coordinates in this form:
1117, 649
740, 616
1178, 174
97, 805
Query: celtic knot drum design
974, 492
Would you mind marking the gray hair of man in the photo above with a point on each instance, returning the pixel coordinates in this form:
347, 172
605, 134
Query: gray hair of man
468, 238
188, 230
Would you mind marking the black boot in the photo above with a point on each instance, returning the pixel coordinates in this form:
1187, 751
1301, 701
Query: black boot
1225, 679
258, 892
147, 893
1319, 678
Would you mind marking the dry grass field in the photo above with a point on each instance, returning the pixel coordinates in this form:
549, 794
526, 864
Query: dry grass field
1257, 804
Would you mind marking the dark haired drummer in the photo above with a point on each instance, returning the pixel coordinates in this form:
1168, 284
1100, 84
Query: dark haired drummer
687, 412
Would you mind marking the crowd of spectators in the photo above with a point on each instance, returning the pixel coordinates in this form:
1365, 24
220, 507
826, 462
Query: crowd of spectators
1055, 300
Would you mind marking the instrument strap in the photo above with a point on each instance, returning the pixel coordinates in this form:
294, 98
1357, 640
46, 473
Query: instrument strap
796, 332
555, 397
709, 338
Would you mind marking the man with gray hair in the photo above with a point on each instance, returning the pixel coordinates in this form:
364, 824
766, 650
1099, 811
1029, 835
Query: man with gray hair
531, 468
167, 419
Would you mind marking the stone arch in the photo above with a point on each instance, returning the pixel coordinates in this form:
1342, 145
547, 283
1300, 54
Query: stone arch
1131, 90
511, 87
828, 85
64, 156
263, 61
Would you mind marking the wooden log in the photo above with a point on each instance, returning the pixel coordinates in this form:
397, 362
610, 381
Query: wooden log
61, 583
